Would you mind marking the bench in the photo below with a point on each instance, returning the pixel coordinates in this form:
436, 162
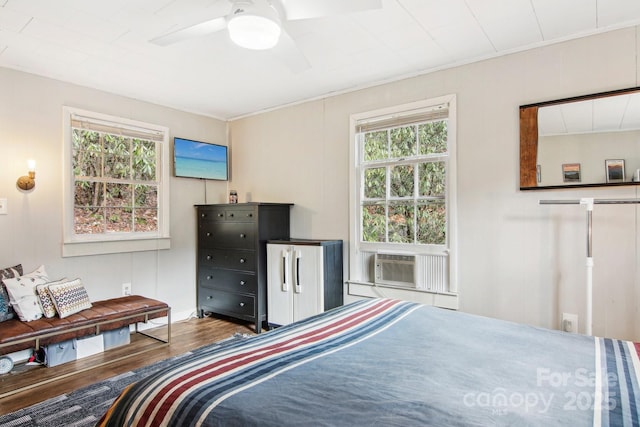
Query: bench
104, 315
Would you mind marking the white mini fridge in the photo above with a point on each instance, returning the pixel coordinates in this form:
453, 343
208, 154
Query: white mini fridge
304, 278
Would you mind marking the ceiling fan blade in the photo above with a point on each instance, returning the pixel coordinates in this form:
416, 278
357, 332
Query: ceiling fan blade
198, 30
305, 9
288, 52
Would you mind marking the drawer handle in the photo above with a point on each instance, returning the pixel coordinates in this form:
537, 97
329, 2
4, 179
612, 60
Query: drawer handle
208, 234
231, 215
203, 215
242, 235
241, 304
249, 214
242, 260
220, 215
209, 297
209, 257
209, 277
242, 283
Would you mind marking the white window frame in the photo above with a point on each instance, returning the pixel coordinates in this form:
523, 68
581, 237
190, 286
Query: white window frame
107, 243
356, 275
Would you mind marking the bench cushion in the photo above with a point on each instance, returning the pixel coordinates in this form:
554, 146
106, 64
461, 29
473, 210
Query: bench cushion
116, 312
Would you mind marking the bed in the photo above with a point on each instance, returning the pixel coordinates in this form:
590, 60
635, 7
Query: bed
383, 362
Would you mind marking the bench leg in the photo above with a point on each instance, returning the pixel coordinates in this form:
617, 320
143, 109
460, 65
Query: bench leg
168, 340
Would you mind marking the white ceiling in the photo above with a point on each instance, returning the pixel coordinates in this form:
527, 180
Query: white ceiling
104, 44
609, 114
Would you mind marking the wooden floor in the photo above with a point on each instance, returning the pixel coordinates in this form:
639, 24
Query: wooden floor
50, 382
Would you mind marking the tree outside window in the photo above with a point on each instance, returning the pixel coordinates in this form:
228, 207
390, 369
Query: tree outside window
404, 170
116, 188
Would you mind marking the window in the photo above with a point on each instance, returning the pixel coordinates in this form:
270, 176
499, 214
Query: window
403, 170
403, 190
116, 184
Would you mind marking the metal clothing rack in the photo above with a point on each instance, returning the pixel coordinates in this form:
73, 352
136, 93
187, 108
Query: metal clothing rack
588, 203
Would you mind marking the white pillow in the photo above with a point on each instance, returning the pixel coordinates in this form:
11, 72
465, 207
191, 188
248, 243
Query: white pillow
22, 294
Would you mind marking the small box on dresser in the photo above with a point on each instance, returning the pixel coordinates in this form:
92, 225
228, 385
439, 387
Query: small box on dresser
232, 257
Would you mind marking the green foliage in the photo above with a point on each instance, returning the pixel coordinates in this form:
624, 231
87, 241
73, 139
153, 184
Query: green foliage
402, 181
404, 213
401, 229
432, 137
403, 142
375, 183
374, 224
432, 179
106, 169
375, 145
432, 223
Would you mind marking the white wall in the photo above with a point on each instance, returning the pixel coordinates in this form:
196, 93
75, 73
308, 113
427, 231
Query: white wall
31, 128
517, 260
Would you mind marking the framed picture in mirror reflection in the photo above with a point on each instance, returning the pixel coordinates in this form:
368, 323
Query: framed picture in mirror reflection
614, 170
571, 172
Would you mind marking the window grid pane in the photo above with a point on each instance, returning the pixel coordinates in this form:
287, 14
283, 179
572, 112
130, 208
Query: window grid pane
145, 220
401, 223
403, 142
433, 137
374, 223
402, 182
375, 183
432, 179
376, 145
431, 221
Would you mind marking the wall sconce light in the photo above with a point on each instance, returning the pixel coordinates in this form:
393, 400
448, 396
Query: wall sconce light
27, 182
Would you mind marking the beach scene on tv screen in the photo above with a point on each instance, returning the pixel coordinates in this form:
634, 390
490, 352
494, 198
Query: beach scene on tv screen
200, 160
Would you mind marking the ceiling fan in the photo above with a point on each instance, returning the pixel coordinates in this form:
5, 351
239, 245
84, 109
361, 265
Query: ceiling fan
262, 24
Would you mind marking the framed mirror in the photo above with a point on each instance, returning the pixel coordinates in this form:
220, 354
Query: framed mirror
584, 141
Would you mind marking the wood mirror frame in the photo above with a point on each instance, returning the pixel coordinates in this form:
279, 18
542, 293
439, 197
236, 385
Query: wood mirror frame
529, 140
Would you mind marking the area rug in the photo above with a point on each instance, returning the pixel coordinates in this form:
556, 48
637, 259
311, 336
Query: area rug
85, 406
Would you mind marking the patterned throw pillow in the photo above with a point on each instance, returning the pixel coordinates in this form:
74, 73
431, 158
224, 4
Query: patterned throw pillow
48, 307
22, 294
6, 311
69, 297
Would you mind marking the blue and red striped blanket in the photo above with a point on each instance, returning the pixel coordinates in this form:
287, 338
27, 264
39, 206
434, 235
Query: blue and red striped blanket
387, 362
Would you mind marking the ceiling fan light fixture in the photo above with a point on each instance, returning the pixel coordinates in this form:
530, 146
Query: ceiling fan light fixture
254, 28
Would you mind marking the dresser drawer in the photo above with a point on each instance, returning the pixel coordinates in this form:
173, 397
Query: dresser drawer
240, 214
226, 302
229, 213
211, 214
239, 235
228, 258
229, 280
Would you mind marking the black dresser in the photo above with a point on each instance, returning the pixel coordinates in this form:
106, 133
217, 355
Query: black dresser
232, 257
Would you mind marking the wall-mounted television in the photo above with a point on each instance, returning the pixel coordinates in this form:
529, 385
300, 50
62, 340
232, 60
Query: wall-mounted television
196, 159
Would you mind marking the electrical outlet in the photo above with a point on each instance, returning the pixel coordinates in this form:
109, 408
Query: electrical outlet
570, 322
126, 289
3, 206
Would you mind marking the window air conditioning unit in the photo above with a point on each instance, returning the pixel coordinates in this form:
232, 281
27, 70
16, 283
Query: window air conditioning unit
395, 269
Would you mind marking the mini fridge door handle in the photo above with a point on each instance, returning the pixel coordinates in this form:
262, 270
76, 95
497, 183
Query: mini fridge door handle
298, 285
285, 263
